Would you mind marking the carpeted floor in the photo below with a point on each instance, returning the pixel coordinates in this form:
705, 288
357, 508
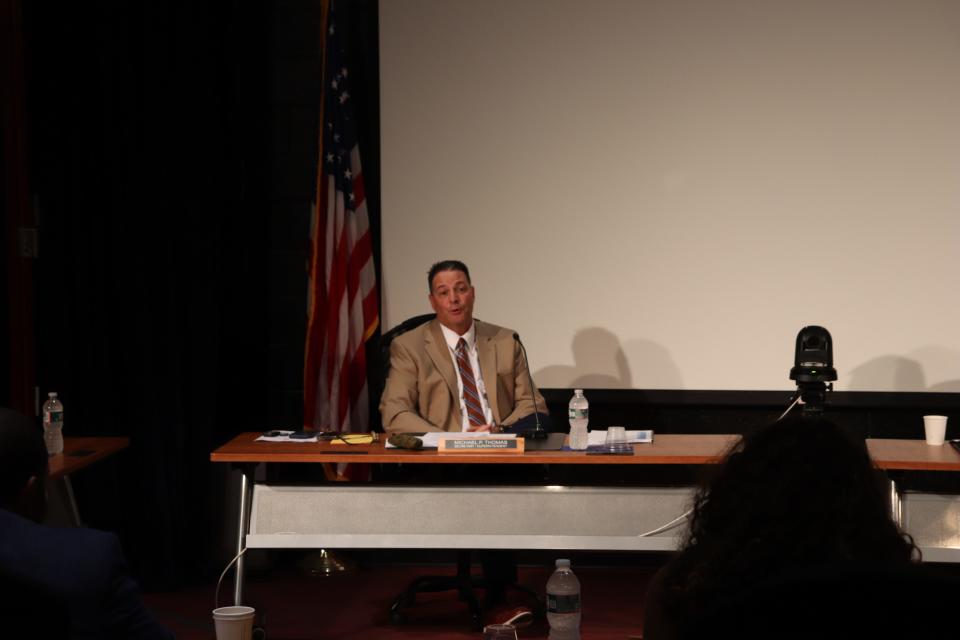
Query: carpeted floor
294, 606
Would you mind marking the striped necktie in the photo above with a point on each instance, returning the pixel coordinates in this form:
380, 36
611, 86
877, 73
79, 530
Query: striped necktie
471, 398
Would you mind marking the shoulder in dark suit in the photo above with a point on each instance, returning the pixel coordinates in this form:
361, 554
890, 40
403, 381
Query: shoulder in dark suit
82, 568
57, 578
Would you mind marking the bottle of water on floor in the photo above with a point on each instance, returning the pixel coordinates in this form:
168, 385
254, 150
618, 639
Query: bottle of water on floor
563, 603
53, 424
579, 413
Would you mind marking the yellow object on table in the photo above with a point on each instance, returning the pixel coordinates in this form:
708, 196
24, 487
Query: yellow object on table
354, 438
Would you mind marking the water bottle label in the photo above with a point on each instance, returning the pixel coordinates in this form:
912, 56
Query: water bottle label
574, 414
563, 604
53, 417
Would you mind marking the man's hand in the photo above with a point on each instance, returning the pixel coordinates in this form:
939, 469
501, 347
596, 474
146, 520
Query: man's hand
480, 428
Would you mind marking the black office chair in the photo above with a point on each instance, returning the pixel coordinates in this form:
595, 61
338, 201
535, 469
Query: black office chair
464, 582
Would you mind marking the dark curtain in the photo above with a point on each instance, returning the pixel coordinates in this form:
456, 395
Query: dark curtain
158, 165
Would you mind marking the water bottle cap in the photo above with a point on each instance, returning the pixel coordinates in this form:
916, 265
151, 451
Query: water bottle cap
578, 392
52, 394
563, 562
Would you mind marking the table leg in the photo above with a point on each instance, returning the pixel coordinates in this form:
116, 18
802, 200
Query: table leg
896, 506
72, 502
243, 527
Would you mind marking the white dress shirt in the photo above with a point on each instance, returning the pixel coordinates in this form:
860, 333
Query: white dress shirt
470, 337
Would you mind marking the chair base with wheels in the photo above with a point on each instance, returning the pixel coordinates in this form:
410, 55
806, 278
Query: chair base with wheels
464, 582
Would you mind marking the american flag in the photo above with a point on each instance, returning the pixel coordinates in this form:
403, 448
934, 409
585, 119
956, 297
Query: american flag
342, 304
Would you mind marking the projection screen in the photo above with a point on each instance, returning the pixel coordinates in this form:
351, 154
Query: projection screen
660, 194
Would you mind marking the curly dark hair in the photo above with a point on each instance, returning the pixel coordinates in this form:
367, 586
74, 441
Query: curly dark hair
793, 495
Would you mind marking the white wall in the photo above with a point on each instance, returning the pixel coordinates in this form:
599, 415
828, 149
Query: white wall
661, 193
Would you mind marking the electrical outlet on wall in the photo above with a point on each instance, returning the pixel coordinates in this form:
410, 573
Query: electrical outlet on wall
28, 242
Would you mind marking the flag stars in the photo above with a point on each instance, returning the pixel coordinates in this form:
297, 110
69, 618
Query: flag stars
343, 97
348, 174
330, 157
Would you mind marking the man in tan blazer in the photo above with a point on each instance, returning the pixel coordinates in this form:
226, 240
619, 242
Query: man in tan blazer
424, 390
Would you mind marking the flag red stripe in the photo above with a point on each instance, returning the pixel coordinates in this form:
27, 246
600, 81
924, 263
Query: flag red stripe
316, 323
336, 286
370, 313
359, 191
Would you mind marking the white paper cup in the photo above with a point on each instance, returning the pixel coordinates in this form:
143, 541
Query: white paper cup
234, 623
935, 429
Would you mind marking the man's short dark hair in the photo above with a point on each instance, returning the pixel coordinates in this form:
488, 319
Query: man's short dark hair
22, 454
446, 265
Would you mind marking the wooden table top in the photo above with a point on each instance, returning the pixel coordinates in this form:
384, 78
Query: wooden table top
912, 455
665, 449
82, 451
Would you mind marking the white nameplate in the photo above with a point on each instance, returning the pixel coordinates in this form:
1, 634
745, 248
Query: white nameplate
480, 445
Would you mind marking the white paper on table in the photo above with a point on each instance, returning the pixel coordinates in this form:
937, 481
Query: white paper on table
284, 437
599, 436
431, 439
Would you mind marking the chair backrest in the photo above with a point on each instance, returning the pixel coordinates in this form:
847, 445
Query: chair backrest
387, 338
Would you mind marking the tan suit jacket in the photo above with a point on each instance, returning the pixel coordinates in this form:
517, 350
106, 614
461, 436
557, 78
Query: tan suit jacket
421, 391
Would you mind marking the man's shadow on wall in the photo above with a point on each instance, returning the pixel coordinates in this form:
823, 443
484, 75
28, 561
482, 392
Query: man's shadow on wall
601, 362
598, 363
904, 373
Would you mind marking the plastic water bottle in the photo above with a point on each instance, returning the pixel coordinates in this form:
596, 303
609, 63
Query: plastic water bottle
563, 603
579, 414
53, 424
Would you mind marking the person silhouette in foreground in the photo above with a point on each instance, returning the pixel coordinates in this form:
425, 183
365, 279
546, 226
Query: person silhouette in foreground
793, 528
58, 582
